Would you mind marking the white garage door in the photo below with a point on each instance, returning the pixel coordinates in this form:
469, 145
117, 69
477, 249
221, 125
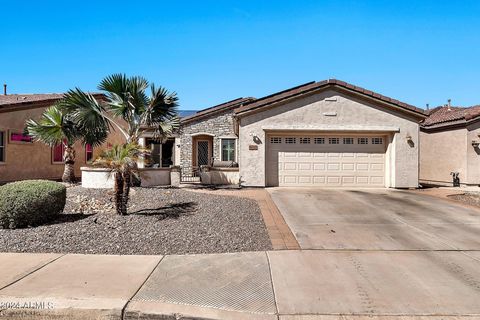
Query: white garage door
326, 160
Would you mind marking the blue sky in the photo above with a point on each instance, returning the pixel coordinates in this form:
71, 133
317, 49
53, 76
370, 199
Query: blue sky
212, 51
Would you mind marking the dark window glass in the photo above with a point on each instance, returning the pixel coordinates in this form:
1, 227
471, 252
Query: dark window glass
228, 149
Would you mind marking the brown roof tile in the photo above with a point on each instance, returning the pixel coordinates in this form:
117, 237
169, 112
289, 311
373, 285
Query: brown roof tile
11, 99
313, 86
444, 115
13, 102
232, 104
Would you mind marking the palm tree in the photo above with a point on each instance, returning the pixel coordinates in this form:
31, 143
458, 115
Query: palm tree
121, 160
56, 127
129, 109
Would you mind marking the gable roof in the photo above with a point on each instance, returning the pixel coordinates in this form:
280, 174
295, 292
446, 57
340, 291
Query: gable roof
312, 87
11, 99
444, 116
229, 105
14, 102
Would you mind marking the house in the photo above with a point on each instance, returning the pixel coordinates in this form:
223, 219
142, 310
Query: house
20, 157
327, 133
449, 143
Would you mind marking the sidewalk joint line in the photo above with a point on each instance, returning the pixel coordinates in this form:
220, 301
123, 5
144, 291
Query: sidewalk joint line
273, 287
122, 315
33, 271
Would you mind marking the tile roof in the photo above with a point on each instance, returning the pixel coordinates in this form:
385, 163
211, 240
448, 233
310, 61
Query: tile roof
444, 115
14, 102
232, 104
12, 99
314, 86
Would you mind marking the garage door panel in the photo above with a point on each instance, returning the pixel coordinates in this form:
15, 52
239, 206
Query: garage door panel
333, 180
376, 166
319, 180
362, 180
324, 164
362, 166
304, 166
376, 180
305, 179
289, 166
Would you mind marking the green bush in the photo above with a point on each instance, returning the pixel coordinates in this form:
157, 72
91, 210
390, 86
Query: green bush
30, 203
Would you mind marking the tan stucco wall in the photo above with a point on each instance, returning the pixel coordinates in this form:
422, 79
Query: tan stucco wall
473, 155
351, 114
442, 153
34, 160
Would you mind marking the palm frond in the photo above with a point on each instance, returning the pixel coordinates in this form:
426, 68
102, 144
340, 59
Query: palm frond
53, 127
88, 114
119, 158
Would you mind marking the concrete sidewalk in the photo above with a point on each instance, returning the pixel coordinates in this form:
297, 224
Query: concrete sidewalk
288, 285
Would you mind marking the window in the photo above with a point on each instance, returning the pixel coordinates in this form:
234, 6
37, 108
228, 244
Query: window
228, 149
57, 153
304, 140
275, 140
347, 140
88, 153
319, 140
333, 140
20, 137
377, 140
362, 141
2, 146
290, 140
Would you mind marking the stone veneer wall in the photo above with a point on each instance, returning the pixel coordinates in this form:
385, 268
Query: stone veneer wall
220, 125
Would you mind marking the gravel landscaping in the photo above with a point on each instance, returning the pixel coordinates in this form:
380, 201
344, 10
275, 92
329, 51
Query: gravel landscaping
160, 221
469, 198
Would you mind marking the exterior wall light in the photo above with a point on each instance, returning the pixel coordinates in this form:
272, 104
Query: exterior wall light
475, 143
409, 138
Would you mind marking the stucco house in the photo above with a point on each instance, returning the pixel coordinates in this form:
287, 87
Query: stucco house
20, 157
449, 143
327, 133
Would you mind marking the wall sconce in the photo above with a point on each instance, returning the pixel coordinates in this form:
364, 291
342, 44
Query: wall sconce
475, 143
409, 138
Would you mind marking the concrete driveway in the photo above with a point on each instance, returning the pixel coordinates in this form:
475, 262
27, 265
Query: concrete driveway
376, 219
381, 253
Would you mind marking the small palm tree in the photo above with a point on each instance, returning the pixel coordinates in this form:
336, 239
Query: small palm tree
128, 108
56, 127
122, 161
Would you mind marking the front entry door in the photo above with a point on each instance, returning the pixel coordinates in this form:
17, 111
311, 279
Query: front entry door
202, 152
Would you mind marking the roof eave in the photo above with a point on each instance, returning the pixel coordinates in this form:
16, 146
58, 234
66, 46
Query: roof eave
411, 110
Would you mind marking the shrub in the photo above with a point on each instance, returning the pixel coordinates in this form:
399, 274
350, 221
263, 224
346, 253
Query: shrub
30, 203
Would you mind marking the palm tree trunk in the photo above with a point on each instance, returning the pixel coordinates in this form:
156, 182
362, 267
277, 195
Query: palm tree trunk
126, 190
69, 159
118, 188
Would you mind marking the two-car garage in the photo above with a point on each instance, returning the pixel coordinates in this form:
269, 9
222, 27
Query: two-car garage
328, 134
326, 160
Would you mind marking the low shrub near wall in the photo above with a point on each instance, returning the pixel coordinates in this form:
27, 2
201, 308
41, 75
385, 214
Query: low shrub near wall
30, 203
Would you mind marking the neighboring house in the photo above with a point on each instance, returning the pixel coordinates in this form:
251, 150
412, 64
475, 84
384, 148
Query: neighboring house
20, 157
449, 142
327, 133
